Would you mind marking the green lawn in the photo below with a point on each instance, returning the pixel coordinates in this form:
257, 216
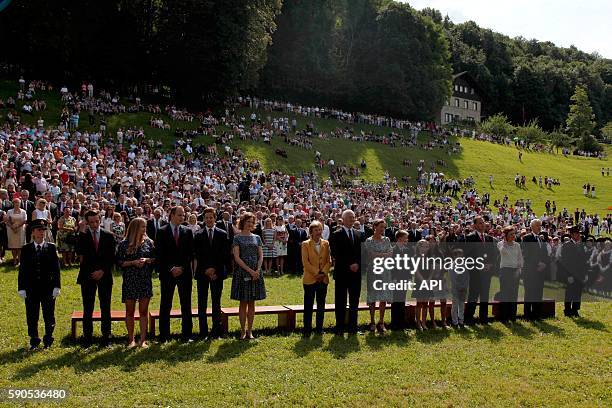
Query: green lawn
558, 362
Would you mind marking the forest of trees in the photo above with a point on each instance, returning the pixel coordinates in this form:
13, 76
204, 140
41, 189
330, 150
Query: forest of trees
363, 55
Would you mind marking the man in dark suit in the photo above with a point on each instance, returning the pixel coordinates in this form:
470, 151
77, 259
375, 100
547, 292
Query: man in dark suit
155, 224
480, 244
29, 208
573, 262
211, 251
536, 259
414, 234
226, 224
97, 250
293, 250
121, 204
39, 283
301, 236
345, 245
390, 232
174, 246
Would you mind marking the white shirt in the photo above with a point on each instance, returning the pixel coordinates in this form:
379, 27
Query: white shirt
325, 234
348, 234
38, 247
511, 255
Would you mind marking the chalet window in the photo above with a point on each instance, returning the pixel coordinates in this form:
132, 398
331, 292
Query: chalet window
465, 104
472, 91
457, 102
475, 106
457, 88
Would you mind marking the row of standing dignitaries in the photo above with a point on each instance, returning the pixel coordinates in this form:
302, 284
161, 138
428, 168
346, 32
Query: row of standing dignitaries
174, 250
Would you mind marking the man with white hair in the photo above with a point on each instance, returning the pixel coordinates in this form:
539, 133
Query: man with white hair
345, 245
536, 260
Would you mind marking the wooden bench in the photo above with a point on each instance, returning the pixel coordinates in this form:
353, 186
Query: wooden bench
286, 313
116, 316
174, 314
282, 311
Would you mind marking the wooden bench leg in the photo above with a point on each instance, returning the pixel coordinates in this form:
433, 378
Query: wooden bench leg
284, 321
496, 310
548, 309
410, 314
151, 326
224, 323
74, 329
291, 317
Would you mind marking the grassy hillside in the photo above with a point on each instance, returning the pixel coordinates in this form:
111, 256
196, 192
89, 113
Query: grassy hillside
478, 159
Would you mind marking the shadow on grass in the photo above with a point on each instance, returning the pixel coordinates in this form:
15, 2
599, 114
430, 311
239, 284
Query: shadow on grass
307, 344
487, 332
230, 349
587, 323
517, 328
546, 327
93, 359
15, 356
378, 341
430, 336
341, 346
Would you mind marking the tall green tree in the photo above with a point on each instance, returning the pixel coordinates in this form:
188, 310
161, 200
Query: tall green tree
580, 120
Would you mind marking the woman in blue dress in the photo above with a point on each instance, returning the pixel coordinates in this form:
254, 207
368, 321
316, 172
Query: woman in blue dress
247, 280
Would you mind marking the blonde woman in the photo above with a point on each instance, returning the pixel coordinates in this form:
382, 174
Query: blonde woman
41, 212
135, 256
16, 219
118, 227
280, 244
317, 262
192, 223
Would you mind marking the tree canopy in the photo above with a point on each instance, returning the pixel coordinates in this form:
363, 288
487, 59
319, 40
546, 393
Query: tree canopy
378, 56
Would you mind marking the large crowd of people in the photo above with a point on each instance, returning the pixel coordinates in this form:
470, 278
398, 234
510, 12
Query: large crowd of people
115, 200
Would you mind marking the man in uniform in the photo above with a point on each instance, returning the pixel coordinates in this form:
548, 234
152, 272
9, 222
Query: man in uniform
39, 282
536, 260
574, 262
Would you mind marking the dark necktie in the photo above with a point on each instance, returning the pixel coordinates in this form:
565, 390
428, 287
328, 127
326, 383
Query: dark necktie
176, 235
95, 240
351, 236
210, 236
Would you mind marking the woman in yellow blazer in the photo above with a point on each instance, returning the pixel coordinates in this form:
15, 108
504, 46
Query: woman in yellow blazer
317, 261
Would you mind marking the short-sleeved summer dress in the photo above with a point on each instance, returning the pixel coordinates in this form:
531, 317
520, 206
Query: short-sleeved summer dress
243, 286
